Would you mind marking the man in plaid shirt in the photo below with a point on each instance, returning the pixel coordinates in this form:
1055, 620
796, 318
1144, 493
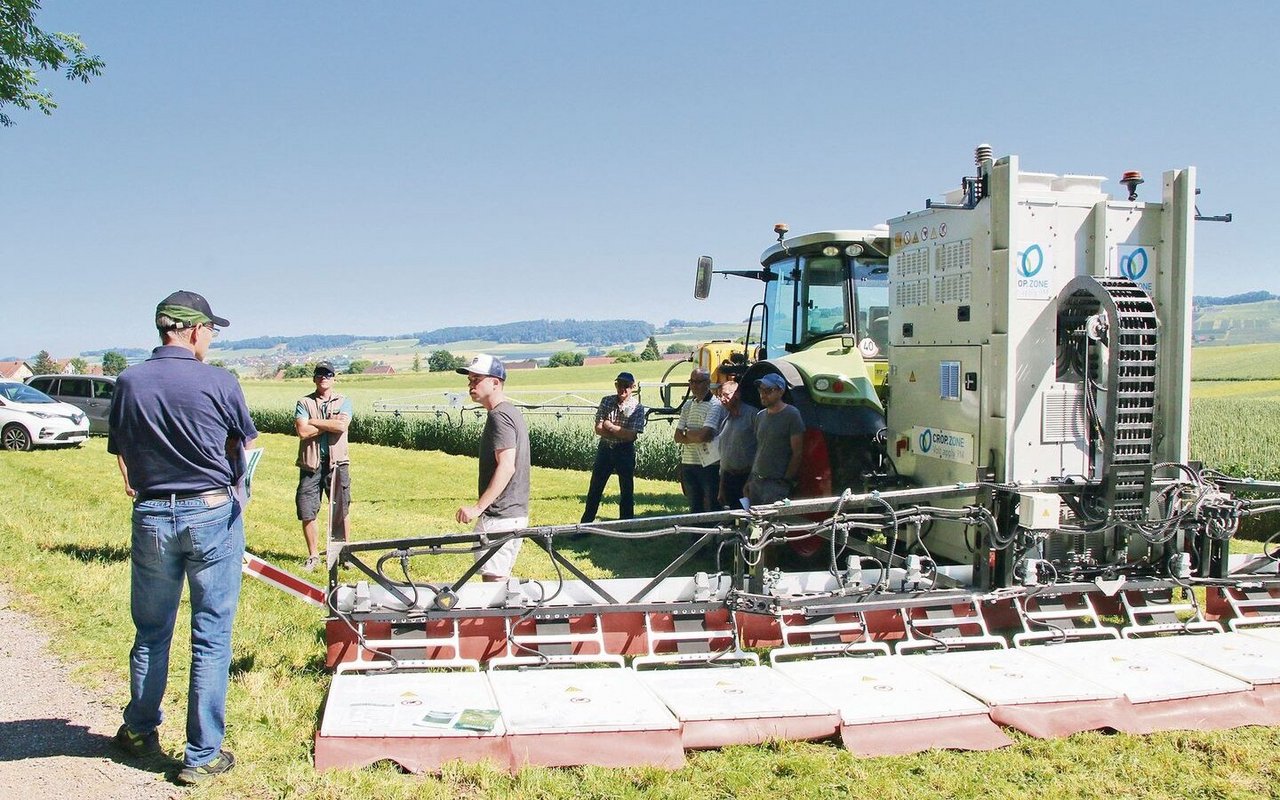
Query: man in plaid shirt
619, 420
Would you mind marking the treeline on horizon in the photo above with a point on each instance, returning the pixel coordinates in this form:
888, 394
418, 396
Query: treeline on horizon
586, 332
600, 332
1234, 299
589, 332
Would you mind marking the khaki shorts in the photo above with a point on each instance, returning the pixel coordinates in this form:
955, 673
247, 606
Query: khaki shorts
504, 560
311, 485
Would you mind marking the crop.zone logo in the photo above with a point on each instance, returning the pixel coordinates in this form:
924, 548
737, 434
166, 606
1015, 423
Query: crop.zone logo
1134, 265
926, 440
1031, 282
1032, 261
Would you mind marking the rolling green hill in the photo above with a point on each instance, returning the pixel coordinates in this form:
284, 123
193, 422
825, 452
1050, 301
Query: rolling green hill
1245, 323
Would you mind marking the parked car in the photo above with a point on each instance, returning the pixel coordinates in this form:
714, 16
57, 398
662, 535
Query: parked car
90, 393
30, 418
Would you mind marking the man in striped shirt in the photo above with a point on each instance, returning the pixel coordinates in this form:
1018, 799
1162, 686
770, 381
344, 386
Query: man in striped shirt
700, 419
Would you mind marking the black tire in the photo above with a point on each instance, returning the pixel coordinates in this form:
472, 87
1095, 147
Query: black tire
15, 437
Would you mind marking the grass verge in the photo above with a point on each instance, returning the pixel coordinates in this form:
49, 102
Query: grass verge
64, 534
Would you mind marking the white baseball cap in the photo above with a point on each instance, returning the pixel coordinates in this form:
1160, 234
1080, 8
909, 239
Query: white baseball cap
484, 364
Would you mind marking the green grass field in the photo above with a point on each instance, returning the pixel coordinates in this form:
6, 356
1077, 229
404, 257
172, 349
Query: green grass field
1246, 362
64, 532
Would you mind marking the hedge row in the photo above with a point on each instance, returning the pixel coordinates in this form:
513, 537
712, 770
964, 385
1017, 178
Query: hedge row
560, 446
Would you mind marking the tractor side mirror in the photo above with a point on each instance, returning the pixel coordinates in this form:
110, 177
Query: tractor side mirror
702, 280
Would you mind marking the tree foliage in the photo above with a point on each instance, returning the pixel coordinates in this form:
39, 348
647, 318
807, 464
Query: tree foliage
565, 358
79, 365
651, 352
296, 370
679, 347
417, 362
296, 344
358, 366
113, 363
444, 361
44, 364
25, 49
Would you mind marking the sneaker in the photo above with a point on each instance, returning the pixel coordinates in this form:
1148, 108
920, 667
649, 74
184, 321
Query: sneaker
311, 563
136, 745
190, 776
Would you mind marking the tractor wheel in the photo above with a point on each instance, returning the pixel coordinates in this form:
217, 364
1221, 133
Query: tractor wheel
15, 437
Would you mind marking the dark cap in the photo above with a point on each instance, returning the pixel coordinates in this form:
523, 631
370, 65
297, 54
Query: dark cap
484, 364
323, 368
773, 380
188, 309
628, 377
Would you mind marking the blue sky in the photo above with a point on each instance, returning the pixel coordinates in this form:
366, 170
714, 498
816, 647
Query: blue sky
334, 167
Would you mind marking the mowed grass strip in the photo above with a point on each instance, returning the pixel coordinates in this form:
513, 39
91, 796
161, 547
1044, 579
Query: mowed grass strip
64, 533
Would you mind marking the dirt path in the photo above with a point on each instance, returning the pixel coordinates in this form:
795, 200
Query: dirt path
53, 733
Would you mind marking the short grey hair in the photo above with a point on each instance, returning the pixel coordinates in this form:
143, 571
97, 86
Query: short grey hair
166, 325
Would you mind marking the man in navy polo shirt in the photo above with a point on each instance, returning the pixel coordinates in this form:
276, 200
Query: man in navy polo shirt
177, 428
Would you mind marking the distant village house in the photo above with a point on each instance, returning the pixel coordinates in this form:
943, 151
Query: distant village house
15, 370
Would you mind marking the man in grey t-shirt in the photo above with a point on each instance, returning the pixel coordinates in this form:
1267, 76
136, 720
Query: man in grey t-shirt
503, 487
779, 444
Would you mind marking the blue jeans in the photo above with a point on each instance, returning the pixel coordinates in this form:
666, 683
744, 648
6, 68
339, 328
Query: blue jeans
172, 541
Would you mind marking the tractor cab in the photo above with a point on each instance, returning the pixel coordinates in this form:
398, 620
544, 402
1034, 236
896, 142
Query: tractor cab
823, 325
825, 312
827, 285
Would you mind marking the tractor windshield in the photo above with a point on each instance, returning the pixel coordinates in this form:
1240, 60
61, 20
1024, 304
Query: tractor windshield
818, 296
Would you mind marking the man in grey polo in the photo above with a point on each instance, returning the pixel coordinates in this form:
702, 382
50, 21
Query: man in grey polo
503, 486
178, 428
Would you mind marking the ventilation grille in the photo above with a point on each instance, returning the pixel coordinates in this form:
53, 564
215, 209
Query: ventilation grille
956, 256
911, 293
956, 289
913, 263
1062, 415
949, 380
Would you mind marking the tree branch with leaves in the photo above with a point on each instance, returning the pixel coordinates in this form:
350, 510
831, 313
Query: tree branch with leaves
25, 49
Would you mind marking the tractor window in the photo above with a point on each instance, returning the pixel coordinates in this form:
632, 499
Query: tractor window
780, 295
871, 287
822, 303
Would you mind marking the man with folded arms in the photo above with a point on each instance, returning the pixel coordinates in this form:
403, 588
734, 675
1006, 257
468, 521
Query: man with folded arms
619, 420
321, 419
